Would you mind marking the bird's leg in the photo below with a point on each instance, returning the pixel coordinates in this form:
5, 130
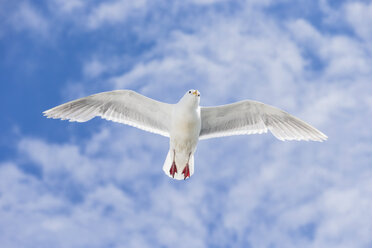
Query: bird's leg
186, 170
173, 169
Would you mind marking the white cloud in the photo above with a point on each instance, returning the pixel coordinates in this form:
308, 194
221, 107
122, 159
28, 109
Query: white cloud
331, 16
68, 6
28, 17
359, 15
305, 33
114, 12
341, 55
94, 68
346, 57
206, 2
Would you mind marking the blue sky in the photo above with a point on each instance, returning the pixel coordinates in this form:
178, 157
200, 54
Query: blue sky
100, 184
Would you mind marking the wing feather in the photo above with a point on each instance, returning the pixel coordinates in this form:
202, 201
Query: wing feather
123, 106
250, 117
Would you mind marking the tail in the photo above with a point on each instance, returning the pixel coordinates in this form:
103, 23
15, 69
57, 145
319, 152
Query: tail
179, 176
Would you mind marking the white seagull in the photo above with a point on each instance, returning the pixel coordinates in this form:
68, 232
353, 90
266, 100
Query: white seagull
185, 123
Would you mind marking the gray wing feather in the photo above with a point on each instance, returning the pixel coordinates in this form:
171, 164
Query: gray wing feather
251, 117
123, 106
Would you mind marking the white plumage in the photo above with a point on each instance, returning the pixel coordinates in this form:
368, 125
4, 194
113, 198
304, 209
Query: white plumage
185, 123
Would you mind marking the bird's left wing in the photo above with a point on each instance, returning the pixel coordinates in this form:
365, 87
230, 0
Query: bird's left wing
123, 106
251, 117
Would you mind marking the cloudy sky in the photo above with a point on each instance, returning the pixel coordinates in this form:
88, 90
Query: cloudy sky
100, 184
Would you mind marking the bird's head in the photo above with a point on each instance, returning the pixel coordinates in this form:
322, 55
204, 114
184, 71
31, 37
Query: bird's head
192, 97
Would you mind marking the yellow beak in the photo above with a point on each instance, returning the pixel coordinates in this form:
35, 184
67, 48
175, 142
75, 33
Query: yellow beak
195, 92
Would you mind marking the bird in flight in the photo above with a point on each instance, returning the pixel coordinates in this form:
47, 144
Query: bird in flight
185, 123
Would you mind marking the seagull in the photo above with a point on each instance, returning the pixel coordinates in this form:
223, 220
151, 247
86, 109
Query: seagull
185, 123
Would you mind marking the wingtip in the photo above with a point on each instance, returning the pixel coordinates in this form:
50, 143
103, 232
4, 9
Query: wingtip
46, 112
323, 137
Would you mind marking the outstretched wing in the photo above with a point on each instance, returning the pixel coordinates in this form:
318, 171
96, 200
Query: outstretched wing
251, 117
124, 106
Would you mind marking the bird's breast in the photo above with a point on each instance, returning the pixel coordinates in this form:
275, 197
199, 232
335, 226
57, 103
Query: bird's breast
185, 129
186, 123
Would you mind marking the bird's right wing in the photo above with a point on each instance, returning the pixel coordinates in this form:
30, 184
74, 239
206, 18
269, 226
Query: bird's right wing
250, 117
124, 106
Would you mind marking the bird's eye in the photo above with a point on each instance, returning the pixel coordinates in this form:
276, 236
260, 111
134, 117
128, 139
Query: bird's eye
189, 91
198, 94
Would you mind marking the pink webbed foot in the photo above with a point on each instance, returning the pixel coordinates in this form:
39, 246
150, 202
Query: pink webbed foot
186, 172
173, 169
